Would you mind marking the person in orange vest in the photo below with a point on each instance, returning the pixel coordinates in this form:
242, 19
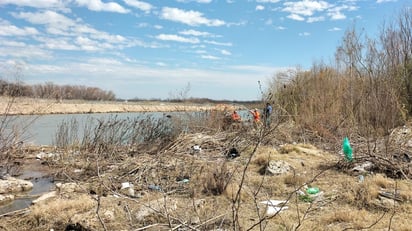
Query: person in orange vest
236, 117
256, 116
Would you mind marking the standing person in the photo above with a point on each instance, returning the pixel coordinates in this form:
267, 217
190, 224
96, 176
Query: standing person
267, 113
256, 117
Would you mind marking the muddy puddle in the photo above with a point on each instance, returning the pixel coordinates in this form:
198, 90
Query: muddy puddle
42, 183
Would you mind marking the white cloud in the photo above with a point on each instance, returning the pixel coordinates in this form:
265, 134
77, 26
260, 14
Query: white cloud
6, 29
225, 52
195, 33
56, 23
268, 1
58, 43
36, 3
59, 24
259, 7
335, 29
383, 1
26, 52
305, 7
218, 43
176, 38
11, 43
161, 64
336, 15
210, 57
192, 18
144, 6
98, 5
280, 28
304, 34
315, 19
296, 17
198, 1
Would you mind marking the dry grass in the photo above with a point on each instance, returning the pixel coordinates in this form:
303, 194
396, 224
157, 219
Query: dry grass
206, 200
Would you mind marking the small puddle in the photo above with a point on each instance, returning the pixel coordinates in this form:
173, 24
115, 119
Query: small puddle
41, 184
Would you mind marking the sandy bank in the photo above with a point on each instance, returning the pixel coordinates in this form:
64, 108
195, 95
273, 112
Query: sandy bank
29, 106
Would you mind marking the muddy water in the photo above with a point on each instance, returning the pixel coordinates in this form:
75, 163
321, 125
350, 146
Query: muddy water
42, 183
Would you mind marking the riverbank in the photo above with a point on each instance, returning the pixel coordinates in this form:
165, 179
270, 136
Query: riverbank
30, 106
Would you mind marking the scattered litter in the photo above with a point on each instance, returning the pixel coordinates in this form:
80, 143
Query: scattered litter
361, 178
363, 168
232, 153
391, 195
184, 181
155, 187
312, 190
126, 185
197, 148
274, 206
128, 189
347, 150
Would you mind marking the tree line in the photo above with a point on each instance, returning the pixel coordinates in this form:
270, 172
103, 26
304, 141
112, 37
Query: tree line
366, 90
50, 90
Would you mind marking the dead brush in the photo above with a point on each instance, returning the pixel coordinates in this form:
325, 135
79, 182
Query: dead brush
362, 195
217, 180
106, 136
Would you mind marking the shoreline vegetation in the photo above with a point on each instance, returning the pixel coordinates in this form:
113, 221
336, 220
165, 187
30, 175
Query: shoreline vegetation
32, 106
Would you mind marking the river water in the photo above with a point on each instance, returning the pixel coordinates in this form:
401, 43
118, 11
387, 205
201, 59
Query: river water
41, 130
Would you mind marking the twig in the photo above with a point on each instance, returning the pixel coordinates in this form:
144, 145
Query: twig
368, 227
209, 220
16, 212
394, 206
146, 227
98, 199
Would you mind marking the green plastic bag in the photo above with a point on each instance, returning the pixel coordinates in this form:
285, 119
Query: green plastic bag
312, 190
347, 150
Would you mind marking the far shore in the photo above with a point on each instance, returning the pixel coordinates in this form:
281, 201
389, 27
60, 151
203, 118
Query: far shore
31, 106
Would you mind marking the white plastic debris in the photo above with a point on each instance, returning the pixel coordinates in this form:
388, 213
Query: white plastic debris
126, 185
197, 148
274, 206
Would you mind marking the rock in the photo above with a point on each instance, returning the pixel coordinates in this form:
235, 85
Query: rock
275, 167
363, 168
43, 155
11, 185
108, 216
45, 197
68, 187
4, 199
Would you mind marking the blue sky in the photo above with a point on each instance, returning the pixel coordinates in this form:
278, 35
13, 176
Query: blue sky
156, 48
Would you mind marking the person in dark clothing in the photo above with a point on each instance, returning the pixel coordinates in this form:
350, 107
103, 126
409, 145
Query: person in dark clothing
266, 114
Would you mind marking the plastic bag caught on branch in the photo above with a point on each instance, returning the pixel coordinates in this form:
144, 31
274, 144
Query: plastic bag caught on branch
347, 149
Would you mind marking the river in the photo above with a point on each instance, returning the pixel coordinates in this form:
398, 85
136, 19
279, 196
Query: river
41, 130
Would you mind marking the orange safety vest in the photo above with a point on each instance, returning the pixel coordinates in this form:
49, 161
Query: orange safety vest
256, 116
235, 117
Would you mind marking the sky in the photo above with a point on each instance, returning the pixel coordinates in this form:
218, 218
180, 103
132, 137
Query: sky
164, 49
